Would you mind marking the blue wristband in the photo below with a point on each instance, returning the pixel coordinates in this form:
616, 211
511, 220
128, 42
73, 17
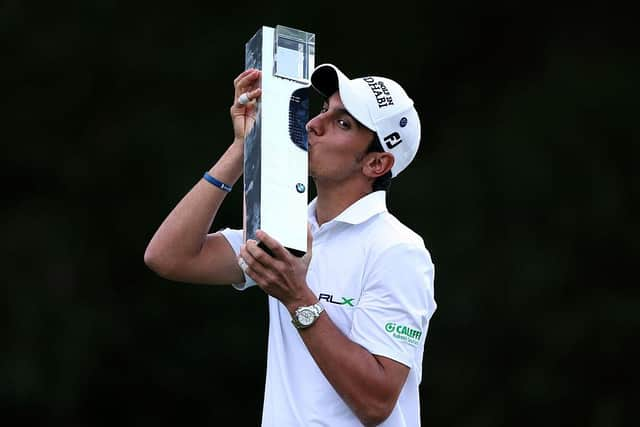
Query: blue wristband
221, 185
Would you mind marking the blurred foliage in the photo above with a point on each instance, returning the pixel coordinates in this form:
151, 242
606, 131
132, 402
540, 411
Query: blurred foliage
524, 191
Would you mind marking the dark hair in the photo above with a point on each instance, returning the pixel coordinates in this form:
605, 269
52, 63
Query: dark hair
382, 182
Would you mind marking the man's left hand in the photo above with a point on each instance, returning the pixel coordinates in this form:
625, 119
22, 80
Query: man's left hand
283, 275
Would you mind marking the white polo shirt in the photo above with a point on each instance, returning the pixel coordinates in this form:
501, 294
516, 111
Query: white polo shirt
374, 277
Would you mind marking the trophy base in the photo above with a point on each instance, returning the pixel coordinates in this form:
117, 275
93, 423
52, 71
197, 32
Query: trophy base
294, 252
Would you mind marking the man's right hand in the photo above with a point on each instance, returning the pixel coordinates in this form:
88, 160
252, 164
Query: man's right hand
244, 115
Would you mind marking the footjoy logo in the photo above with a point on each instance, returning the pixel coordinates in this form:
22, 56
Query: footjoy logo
403, 333
330, 298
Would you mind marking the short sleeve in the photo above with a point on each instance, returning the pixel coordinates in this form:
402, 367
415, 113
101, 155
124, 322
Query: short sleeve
397, 302
236, 239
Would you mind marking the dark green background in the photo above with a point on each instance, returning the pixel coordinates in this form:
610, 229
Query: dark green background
523, 191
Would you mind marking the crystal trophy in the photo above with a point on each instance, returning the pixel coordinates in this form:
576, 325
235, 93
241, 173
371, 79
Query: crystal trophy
275, 149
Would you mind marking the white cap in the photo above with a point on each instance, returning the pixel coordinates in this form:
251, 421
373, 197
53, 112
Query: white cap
381, 105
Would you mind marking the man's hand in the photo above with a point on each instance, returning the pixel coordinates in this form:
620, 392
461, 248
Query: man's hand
244, 115
283, 275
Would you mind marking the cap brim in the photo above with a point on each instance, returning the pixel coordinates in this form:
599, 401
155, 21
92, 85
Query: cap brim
324, 79
327, 79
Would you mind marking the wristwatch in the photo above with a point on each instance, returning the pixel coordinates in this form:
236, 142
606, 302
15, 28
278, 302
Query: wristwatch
306, 316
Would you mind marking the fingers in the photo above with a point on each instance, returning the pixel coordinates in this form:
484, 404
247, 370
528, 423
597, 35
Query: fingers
243, 264
255, 262
258, 263
246, 260
242, 75
246, 97
247, 86
276, 248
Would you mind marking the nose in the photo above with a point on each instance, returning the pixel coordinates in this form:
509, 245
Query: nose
315, 125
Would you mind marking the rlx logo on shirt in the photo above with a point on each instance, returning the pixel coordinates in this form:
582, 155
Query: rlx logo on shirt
329, 298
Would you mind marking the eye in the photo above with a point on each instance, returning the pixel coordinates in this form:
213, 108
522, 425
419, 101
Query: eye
324, 109
343, 123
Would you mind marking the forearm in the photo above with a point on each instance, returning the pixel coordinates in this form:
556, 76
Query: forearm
359, 377
368, 384
181, 236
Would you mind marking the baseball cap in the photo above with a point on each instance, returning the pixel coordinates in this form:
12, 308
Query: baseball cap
381, 105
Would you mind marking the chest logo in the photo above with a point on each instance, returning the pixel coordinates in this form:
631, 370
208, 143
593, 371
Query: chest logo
330, 298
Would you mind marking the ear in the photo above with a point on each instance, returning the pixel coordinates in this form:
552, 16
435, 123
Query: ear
377, 164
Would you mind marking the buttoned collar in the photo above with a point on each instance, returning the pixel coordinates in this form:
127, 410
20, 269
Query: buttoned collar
360, 211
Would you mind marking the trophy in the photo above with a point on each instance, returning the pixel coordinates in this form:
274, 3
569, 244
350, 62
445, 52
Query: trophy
275, 150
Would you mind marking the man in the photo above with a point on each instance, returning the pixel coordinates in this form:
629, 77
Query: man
347, 321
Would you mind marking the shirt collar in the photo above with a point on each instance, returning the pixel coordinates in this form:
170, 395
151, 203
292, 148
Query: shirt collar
360, 211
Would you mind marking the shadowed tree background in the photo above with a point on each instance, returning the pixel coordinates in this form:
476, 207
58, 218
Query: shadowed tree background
523, 190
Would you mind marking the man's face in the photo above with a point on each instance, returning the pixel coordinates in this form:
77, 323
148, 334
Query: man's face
337, 143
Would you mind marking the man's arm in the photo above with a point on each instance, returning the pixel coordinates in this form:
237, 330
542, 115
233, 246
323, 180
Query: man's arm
369, 384
182, 248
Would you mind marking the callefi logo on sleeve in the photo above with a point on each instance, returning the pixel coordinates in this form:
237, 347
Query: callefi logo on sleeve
403, 333
380, 91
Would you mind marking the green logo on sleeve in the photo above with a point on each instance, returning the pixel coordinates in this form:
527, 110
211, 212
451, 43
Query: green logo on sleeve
403, 333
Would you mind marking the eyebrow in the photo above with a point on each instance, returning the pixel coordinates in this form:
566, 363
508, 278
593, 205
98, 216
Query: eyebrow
343, 111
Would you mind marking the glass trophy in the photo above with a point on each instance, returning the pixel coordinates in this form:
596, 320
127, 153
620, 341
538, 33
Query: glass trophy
275, 149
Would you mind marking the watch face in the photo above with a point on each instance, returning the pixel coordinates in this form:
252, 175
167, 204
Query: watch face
306, 317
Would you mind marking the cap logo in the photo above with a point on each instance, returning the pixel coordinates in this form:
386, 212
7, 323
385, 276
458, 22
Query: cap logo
403, 122
380, 91
392, 140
